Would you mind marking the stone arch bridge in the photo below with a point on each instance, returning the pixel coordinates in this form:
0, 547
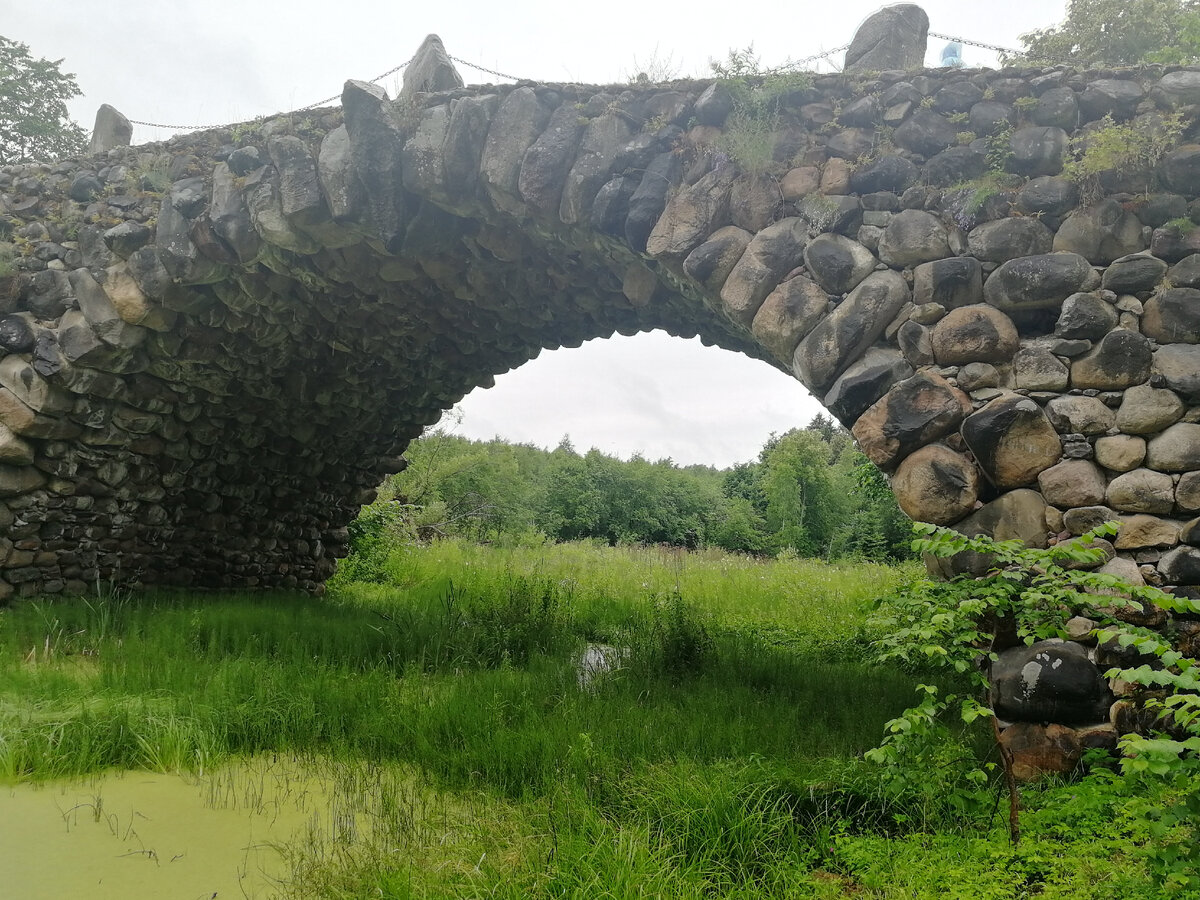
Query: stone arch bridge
213, 349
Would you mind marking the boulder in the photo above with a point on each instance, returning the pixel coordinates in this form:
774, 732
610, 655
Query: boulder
1121, 360
927, 133
690, 216
111, 130
978, 375
1006, 239
1037, 282
888, 173
987, 117
1057, 107
519, 121
913, 413
772, 253
851, 328
1072, 483
711, 262
1147, 410
837, 263
800, 182
936, 484
1038, 150
1133, 274
1180, 170
957, 97
755, 201
714, 105
1181, 566
1080, 415
1187, 492
430, 70
376, 138
1083, 519
603, 139
1049, 681
1116, 97
1047, 195
610, 209
1157, 209
915, 343
978, 333
1141, 491
1101, 233
1139, 531
1181, 88
892, 38
865, 381
650, 199
1035, 368
956, 281
1012, 440
545, 165
912, 237
1017, 515
1175, 450
1173, 316
1178, 365
1120, 452
1086, 317
1174, 243
954, 166
789, 313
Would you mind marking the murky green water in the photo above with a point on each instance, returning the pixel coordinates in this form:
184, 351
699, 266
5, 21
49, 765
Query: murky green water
145, 835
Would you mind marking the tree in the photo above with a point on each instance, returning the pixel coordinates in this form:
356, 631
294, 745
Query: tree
33, 109
803, 504
1119, 32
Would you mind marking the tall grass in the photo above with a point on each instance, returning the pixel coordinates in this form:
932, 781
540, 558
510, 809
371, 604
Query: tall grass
719, 760
466, 668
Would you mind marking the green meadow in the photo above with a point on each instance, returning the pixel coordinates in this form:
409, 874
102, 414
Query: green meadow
713, 751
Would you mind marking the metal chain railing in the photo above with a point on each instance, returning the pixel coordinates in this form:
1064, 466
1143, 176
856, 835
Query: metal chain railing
378, 78
480, 68
790, 65
994, 48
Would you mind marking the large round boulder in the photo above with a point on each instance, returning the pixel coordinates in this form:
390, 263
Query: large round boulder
1050, 681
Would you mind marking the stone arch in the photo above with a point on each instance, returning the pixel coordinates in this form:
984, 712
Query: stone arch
215, 348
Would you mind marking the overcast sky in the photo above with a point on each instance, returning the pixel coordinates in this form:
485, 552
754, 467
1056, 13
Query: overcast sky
222, 61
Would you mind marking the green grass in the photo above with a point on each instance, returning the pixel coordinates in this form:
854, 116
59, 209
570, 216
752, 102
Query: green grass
721, 760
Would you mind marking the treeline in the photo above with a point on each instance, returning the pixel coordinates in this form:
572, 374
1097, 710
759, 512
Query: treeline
809, 492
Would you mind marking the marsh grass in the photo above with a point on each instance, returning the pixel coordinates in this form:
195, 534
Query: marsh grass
720, 759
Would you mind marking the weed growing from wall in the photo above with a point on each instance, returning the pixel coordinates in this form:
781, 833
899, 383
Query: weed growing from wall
759, 96
1131, 148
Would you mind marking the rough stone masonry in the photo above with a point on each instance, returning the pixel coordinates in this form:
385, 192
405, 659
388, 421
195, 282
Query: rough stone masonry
214, 348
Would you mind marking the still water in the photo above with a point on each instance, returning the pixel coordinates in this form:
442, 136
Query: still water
147, 835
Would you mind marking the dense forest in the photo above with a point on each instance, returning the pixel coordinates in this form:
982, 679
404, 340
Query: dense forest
809, 493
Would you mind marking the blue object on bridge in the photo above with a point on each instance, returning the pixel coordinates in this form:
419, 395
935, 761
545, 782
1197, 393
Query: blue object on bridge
952, 55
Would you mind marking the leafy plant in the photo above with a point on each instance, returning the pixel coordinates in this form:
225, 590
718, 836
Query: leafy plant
1132, 148
1027, 595
758, 97
1173, 756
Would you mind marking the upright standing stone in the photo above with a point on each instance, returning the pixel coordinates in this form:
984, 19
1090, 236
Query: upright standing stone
430, 70
111, 130
893, 38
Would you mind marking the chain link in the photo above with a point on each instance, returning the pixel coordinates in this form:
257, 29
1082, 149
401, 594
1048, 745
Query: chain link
992, 47
482, 69
392, 71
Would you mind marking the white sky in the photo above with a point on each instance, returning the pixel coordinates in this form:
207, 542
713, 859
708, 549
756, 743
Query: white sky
222, 61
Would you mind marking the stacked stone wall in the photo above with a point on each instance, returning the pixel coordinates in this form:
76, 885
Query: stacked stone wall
214, 348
